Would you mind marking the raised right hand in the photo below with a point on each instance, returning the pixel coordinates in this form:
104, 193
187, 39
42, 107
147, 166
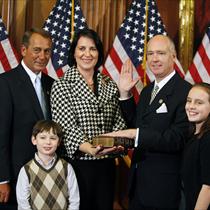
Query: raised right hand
126, 81
4, 192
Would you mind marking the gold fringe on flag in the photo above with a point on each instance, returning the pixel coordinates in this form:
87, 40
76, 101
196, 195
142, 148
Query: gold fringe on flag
127, 160
72, 20
186, 32
145, 44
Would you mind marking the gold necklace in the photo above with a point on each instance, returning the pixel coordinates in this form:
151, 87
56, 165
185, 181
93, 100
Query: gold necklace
91, 86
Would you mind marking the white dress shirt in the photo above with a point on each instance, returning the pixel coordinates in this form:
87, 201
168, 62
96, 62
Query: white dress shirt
30, 73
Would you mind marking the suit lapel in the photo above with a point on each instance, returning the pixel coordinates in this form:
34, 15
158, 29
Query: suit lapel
162, 95
27, 87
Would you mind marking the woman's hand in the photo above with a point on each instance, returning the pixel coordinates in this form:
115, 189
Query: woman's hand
203, 200
115, 150
99, 150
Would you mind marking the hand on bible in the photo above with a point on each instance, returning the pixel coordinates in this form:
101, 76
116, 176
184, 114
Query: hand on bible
99, 150
4, 192
111, 150
128, 133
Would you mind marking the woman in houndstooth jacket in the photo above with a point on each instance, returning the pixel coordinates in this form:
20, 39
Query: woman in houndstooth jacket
85, 104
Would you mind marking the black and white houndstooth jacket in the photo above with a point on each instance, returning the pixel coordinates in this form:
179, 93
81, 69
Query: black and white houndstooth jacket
81, 114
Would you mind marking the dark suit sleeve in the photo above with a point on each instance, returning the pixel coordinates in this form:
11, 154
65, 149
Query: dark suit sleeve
128, 108
5, 127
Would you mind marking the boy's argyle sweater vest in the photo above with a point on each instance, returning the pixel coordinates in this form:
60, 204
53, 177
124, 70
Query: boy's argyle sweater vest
48, 186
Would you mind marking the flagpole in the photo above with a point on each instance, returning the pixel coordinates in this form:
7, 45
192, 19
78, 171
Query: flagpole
72, 20
145, 42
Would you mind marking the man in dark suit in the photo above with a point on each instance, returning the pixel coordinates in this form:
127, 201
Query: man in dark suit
161, 125
20, 109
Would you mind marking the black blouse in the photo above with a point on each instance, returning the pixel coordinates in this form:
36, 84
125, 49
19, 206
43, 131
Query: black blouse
196, 168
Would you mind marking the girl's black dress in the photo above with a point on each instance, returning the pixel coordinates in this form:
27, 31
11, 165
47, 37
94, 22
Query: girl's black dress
196, 168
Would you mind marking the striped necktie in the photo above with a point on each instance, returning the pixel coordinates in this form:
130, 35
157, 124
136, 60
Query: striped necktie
154, 93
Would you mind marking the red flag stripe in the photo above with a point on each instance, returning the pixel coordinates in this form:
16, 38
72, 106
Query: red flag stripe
10, 52
4, 59
106, 72
194, 73
199, 70
203, 54
8, 56
114, 56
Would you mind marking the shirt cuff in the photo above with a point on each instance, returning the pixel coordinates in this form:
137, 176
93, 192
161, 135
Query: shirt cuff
125, 98
4, 182
137, 138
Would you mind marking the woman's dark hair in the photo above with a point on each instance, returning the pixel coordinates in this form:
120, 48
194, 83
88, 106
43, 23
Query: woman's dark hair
47, 125
206, 125
91, 34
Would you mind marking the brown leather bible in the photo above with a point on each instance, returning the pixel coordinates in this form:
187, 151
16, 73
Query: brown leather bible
108, 141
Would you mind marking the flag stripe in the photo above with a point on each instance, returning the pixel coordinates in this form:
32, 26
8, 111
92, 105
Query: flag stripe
178, 68
50, 70
118, 58
8, 55
115, 57
203, 54
4, 59
12, 58
1, 68
194, 73
199, 70
206, 44
120, 49
111, 68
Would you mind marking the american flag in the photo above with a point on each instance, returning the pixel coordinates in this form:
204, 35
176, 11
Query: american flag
8, 55
58, 24
130, 41
199, 71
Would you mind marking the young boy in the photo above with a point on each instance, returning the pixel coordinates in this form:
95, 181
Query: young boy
47, 181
